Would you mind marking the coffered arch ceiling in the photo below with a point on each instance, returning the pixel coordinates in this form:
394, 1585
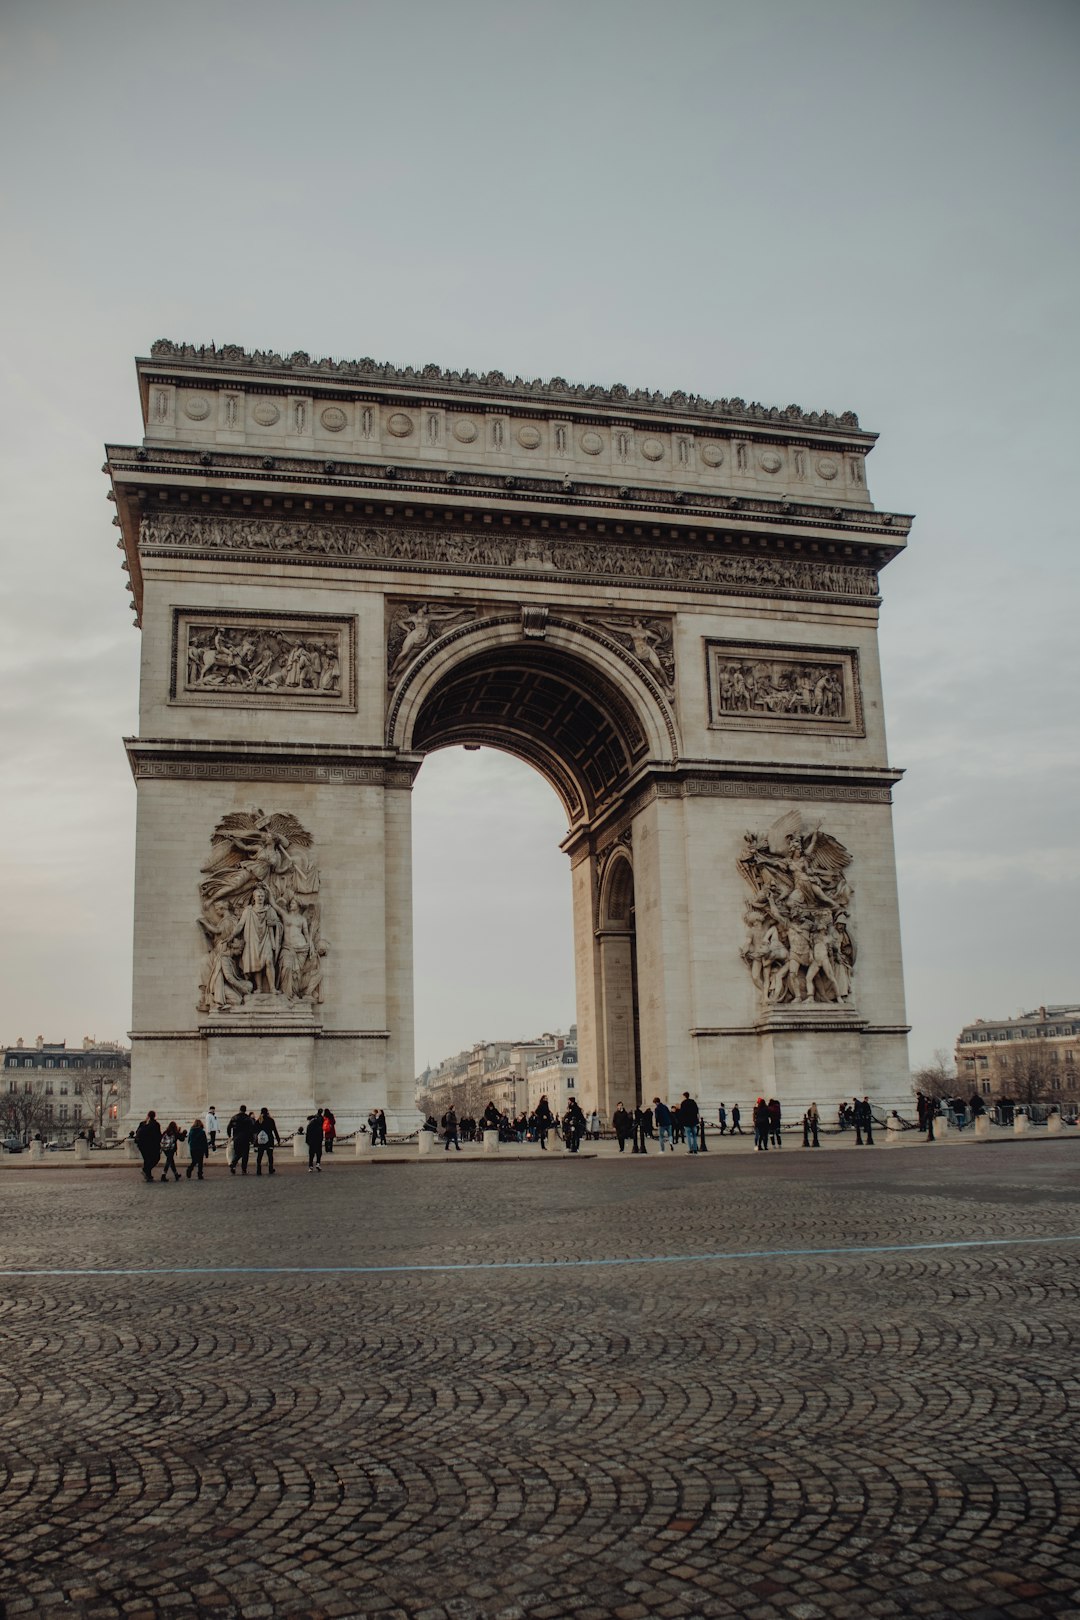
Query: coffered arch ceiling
554, 711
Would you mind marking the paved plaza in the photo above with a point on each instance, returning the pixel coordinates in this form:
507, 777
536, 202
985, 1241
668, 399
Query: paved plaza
885, 1427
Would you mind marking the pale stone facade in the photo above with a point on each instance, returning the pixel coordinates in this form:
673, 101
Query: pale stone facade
667, 605
1034, 1056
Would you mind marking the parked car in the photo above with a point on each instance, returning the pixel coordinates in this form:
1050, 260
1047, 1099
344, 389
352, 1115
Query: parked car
12, 1144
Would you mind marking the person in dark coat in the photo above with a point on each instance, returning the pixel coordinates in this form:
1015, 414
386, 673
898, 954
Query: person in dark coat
736, 1120
313, 1136
450, 1129
198, 1146
544, 1120
721, 1114
639, 1130
148, 1142
774, 1122
624, 1125
573, 1125
266, 1137
329, 1130
761, 1126
662, 1116
241, 1132
689, 1114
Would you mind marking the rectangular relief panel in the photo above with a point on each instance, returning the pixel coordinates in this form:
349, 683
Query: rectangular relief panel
769, 686
236, 658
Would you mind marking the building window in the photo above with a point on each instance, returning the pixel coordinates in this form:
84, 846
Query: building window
76, 1111
49, 1064
28, 1063
986, 1088
48, 1088
62, 1111
63, 1063
13, 1085
569, 1082
63, 1088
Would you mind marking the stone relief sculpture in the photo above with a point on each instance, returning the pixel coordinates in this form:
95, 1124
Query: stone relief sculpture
800, 948
659, 565
767, 687
650, 642
260, 915
261, 659
414, 626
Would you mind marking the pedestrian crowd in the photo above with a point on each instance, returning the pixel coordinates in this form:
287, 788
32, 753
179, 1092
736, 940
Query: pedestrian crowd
159, 1144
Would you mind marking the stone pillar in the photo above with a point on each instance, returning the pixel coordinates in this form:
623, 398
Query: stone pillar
894, 1131
82, 1148
425, 1142
37, 1150
982, 1127
299, 1148
1021, 1123
362, 1145
1055, 1125
491, 1141
942, 1127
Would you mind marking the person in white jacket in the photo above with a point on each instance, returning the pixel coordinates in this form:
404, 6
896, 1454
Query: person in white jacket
212, 1128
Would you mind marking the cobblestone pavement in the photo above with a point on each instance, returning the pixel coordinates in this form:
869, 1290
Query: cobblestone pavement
846, 1434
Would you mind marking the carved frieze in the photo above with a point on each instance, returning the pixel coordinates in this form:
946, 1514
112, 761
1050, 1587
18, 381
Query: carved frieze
470, 551
412, 627
260, 917
256, 660
769, 686
800, 949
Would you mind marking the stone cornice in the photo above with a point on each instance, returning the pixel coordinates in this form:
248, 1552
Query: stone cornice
211, 759
299, 368
636, 500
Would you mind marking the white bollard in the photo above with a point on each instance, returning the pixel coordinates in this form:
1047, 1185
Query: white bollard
941, 1127
425, 1141
37, 1150
894, 1131
982, 1127
1055, 1125
299, 1148
555, 1142
82, 1148
1021, 1124
491, 1141
363, 1144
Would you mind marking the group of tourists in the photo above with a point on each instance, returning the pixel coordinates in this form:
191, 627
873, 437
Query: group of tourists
245, 1130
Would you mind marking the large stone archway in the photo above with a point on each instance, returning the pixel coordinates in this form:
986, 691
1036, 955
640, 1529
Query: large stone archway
667, 606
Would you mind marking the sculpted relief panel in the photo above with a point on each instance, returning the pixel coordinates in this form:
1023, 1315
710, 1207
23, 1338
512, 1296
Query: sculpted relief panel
263, 661
260, 915
763, 686
412, 627
541, 554
800, 947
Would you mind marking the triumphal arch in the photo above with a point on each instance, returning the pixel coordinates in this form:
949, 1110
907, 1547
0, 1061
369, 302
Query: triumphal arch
665, 604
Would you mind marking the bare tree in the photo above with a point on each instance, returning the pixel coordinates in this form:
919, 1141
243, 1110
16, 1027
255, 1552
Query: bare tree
1031, 1075
937, 1079
101, 1089
24, 1110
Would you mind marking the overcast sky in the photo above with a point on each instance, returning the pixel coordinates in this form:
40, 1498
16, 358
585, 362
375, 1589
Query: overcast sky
849, 205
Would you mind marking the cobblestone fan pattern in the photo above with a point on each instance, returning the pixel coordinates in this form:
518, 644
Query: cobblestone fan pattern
781, 1439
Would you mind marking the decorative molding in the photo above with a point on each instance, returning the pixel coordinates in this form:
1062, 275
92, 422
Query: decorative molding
783, 687
236, 658
230, 355
541, 555
799, 792
169, 759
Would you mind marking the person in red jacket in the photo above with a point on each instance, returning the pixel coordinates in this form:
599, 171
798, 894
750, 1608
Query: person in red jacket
329, 1130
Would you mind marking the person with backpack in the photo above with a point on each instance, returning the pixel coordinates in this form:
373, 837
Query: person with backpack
266, 1137
198, 1146
450, 1129
148, 1142
313, 1136
170, 1138
329, 1131
241, 1129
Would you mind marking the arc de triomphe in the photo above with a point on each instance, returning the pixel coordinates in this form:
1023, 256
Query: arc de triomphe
667, 605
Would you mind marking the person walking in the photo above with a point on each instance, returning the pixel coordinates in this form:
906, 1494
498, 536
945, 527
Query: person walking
329, 1131
170, 1140
313, 1136
544, 1120
624, 1125
774, 1122
450, 1129
212, 1128
931, 1111
689, 1115
266, 1139
736, 1118
662, 1116
721, 1114
594, 1126
148, 1142
198, 1146
241, 1129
